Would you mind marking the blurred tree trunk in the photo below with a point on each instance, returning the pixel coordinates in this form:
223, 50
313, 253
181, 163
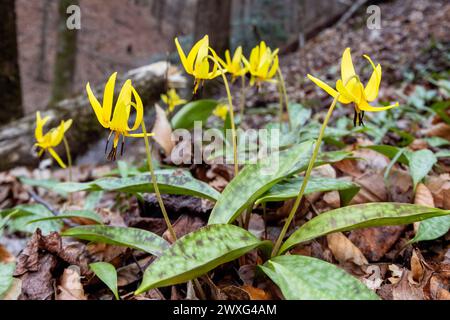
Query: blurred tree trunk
65, 61
213, 18
42, 63
158, 8
10, 91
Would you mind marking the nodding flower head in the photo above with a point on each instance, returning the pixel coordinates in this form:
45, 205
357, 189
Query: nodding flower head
262, 64
118, 124
349, 88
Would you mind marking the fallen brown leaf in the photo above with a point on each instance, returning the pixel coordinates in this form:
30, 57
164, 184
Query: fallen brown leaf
70, 287
256, 293
344, 250
163, 131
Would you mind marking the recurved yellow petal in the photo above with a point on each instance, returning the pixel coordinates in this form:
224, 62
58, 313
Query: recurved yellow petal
364, 106
108, 97
347, 69
139, 107
96, 106
372, 87
56, 157
183, 58
323, 86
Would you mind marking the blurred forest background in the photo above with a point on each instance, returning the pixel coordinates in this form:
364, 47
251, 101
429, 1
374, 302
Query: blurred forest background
119, 35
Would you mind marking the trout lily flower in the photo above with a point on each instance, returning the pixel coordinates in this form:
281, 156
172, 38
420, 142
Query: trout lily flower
349, 88
197, 62
118, 125
52, 138
221, 111
262, 64
234, 66
171, 99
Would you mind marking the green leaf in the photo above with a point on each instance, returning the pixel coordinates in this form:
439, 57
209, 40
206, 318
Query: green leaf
433, 228
298, 115
289, 189
108, 274
122, 236
21, 221
169, 181
92, 200
443, 154
86, 214
6, 276
390, 152
197, 253
307, 278
420, 163
48, 184
253, 180
361, 216
198, 110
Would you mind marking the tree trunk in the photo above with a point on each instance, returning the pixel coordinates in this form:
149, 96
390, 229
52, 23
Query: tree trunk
213, 18
17, 138
65, 61
10, 91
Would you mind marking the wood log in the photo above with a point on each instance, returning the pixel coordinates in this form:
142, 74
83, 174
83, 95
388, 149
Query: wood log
17, 137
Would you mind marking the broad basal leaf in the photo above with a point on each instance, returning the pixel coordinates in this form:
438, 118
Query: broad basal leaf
6, 276
108, 274
21, 220
361, 216
197, 253
289, 188
122, 236
389, 151
169, 181
306, 278
48, 184
420, 163
254, 180
86, 214
198, 110
433, 228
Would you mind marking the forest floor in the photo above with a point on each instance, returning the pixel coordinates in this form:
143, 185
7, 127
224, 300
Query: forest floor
413, 48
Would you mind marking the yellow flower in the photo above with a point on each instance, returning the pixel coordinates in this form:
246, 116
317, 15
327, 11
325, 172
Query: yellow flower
52, 138
350, 89
221, 111
119, 122
172, 99
263, 63
197, 62
234, 66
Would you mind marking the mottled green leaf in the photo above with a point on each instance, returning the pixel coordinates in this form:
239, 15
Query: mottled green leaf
86, 214
390, 152
92, 200
443, 154
198, 110
288, 189
420, 163
6, 276
48, 184
20, 221
298, 115
361, 216
169, 181
307, 278
122, 236
108, 274
433, 228
197, 253
253, 180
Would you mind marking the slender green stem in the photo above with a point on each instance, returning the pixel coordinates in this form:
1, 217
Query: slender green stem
305, 179
280, 97
155, 183
285, 96
243, 94
69, 157
230, 109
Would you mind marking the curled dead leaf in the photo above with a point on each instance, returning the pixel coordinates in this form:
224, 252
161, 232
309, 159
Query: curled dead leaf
344, 250
70, 287
163, 131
